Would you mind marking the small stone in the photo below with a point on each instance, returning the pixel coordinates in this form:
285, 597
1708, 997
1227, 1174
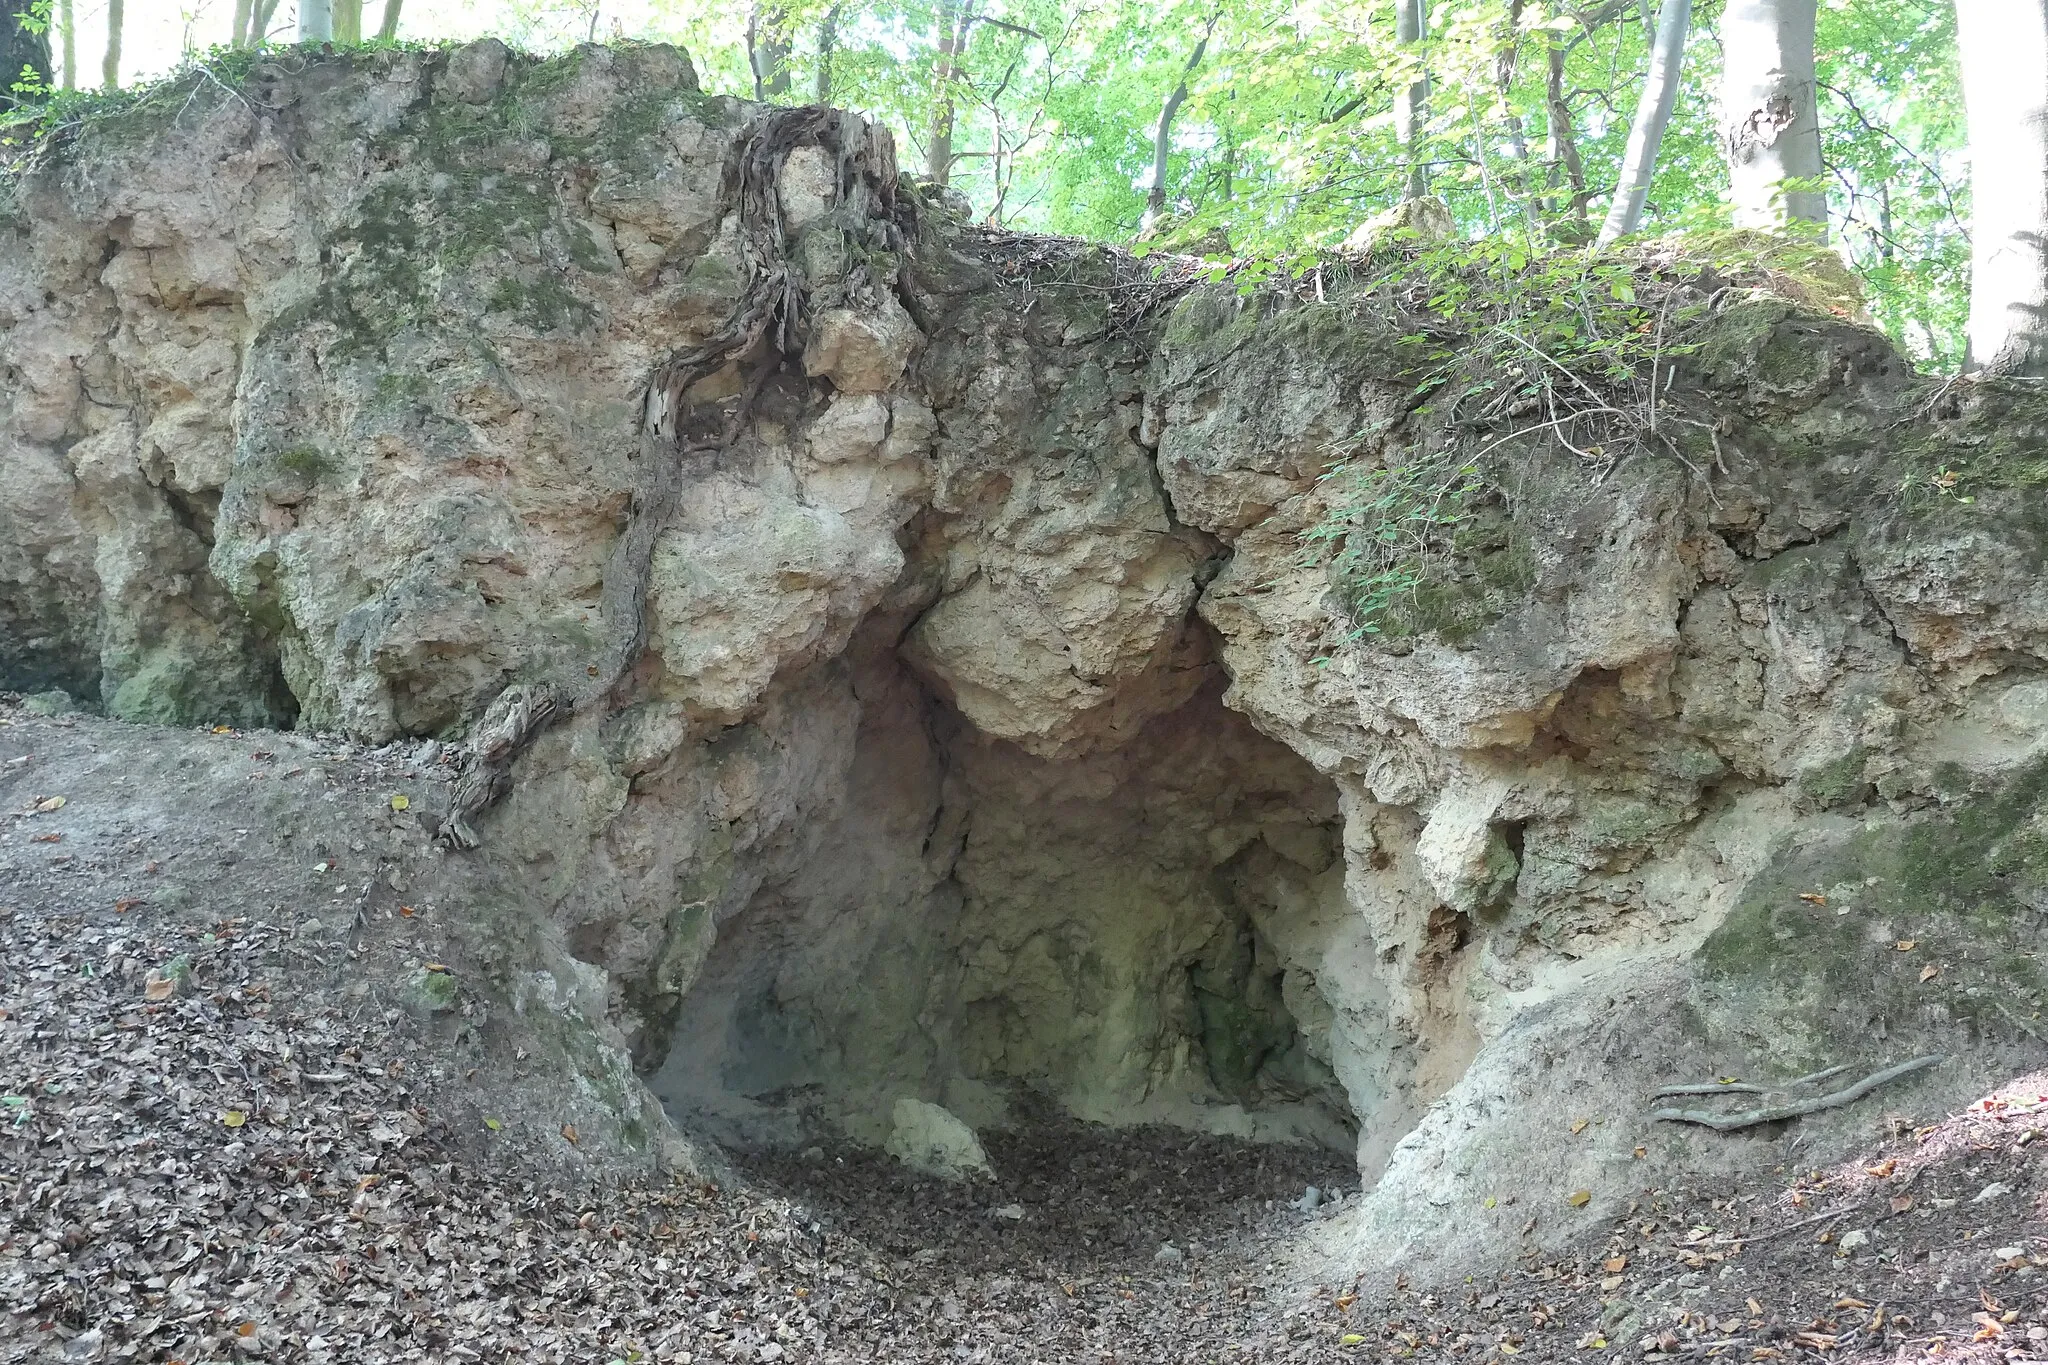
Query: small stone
1309, 1199
1990, 1192
1853, 1241
1012, 1212
1168, 1254
428, 992
814, 1154
930, 1139
2037, 1334
2010, 1253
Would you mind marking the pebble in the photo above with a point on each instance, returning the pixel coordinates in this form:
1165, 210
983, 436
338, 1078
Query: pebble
1013, 1212
1854, 1240
1309, 1199
2009, 1253
1168, 1254
1991, 1192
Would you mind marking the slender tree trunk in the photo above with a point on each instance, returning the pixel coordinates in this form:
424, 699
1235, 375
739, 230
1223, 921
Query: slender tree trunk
1162, 138
1522, 185
768, 51
954, 24
387, 31
20, 50
348, 20
67, 22
1653, 115
1563, 140
1770, 123
110, 65
1411, 105
2004, 47
316, 21
261, 13
828, 42
243, 14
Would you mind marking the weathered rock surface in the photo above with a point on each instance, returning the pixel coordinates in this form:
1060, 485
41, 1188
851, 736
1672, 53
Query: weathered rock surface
989, 718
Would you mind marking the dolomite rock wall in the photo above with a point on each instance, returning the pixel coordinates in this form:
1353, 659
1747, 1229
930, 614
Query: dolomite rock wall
987, 728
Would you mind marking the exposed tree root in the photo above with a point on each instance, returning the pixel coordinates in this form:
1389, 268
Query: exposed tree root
515, 718
765, 330
1750, 1118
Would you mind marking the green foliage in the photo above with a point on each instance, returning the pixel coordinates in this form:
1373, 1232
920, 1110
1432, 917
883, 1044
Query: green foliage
1286, 141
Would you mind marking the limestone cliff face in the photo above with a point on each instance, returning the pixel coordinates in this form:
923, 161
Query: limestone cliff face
954, 701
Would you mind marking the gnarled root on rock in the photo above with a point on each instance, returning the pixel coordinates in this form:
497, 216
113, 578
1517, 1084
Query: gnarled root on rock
1791, 1109
515, 717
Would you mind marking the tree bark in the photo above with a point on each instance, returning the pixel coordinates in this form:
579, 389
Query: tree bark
20, 50
1563, 139
244, 13
67, 23
110, 65
1770, 123
768, 51
348, 20
828, 42
388, 29
1411, 106
1155, 191
954, 24
1653, 115
2004, 45
316, 21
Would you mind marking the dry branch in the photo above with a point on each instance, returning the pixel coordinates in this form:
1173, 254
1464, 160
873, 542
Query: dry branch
1750, 1118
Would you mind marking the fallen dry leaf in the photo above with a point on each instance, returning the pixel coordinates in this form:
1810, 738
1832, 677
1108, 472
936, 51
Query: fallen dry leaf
48, 804
569, 1132
1579, 1125
1929, 972
1813, 898
1614, 1265
1907, 945
1578, 1199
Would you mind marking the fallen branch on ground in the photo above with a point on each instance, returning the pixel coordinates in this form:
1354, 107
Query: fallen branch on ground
1750, 1118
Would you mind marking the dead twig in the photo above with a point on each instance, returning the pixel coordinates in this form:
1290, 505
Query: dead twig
1750, 1118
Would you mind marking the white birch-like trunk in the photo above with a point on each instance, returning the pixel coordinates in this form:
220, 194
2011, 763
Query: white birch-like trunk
2004, 47
1770, 123
1653, 115
316, 21
1411, 106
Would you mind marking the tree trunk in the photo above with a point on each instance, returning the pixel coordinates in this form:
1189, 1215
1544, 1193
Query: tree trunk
243, 15
1770, 124
2004, 46
828, 41
1155, 191
110, 65
348, 20
260, 15
768, 51
1411, 105
953, 21
387, 31
20, 50
1653, 115
316, 21
1563, 140
67, 21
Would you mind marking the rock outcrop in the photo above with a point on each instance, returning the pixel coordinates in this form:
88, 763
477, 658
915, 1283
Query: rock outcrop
956, 694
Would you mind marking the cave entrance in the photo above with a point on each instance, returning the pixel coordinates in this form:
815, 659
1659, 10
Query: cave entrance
1156, 933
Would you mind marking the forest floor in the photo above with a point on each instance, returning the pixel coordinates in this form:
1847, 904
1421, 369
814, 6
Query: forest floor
213, 1148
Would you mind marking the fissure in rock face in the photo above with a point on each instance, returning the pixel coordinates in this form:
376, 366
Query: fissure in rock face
906, 663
